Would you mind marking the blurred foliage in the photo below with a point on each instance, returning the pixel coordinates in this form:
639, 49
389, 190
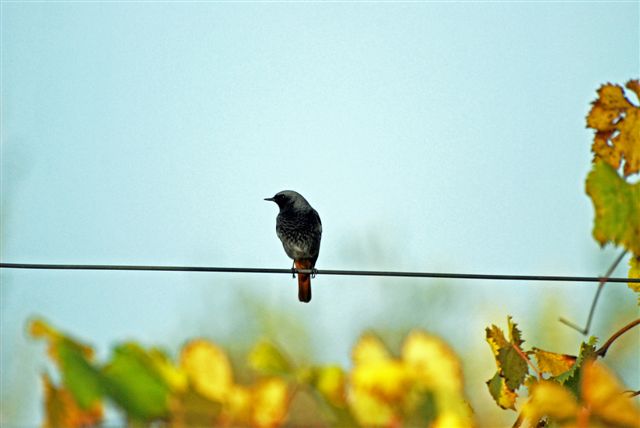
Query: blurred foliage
421, 386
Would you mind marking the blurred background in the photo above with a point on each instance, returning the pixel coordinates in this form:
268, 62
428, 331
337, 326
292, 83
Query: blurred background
429, 137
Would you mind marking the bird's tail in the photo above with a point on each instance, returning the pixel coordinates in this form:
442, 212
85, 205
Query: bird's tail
304, 280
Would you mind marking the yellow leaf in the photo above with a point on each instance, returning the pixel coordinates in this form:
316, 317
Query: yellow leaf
331, 382
627, 142
617, 124
265, 357
207, 368
612, 97
504, 397
634, 85
369, 349
370, 410
174, 376
61, 410
605, 396
270, 402
553, 363
237, 409
432, 362
40, 329
549, 399
387, 380
495, 338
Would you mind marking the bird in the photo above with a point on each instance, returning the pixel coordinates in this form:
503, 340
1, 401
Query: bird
299, 228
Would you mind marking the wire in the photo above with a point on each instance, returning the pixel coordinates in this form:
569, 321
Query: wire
555, 278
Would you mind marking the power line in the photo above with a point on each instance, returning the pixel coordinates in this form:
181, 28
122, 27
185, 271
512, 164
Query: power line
551, 278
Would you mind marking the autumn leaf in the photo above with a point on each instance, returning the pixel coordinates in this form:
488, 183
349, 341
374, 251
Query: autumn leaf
512, 367
74, 359
432, 362
270, 403
208, 369
617, 124
369, 348
550, 362
62, 410
331, 382
437, 374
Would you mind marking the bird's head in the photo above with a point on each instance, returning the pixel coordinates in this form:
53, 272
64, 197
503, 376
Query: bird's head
288, 199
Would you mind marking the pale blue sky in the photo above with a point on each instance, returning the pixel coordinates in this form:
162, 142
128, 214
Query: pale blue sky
429, 137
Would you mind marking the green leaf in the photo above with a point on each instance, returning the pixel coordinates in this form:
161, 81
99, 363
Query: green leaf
79, 376
512, 367
571, 378
266, 358
617, 207
131, 381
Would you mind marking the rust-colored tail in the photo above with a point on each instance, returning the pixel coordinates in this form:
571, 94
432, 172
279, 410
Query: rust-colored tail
304, 280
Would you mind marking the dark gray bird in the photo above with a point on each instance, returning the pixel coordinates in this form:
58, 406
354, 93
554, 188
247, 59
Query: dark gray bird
299, 228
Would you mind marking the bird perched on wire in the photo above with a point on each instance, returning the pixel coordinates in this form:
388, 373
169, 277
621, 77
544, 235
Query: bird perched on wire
299, 228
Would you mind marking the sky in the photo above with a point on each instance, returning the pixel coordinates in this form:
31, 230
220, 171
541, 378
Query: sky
429, 136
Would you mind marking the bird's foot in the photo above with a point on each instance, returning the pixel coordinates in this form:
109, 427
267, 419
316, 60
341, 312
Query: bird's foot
314, 272
293, 272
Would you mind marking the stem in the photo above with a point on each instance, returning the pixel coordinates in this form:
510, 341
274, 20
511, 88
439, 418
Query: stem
524, 357
604, 348
603, 281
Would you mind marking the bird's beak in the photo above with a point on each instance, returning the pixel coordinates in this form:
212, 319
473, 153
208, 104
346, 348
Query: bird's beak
268, 199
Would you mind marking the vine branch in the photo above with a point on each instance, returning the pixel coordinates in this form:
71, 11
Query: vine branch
605, 347
603, 280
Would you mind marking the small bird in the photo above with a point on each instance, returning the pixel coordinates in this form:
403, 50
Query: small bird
299, 228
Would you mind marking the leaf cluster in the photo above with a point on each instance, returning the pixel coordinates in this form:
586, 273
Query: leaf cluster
616, 148
563, 390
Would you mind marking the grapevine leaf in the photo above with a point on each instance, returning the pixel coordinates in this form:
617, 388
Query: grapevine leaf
571, 378
504, 397
555, 364
617, 124
617, 207
512, 367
